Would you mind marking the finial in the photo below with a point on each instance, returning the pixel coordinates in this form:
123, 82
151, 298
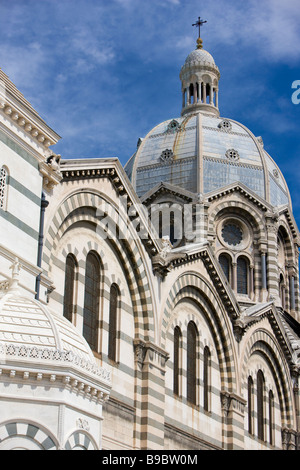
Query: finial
199, 23
14, 285
199, 43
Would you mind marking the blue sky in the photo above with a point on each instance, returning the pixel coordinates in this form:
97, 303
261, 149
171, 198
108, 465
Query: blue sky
103, 73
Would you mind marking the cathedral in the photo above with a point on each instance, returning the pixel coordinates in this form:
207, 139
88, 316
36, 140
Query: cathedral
153, 306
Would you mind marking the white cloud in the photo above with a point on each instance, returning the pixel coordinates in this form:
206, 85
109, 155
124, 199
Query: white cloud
270, 26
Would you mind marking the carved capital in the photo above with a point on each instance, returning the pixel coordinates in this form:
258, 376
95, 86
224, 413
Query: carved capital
289, 439
232, 403
151, 355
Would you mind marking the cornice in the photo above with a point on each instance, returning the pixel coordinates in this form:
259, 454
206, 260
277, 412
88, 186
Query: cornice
269, 312
174, 258
45, 362
168, 189
97, 392
286, 211
25, 117
111, 169
199, 67
239, 188
50, 170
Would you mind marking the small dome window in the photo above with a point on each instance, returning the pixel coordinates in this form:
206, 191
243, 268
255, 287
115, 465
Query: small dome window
167, 155
232, 154
173, 125
225, 125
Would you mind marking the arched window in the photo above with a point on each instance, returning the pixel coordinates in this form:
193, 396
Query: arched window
91, 300
192, 93
206, 379
271, 417
191, 362
176, 360
260, 405
69, 293
225, 263
3, 187
113, 322
250, 405
242, 275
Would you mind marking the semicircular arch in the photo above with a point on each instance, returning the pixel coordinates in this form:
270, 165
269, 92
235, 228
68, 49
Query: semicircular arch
262, 342
128, 249
32, 434
193, 286
247, 211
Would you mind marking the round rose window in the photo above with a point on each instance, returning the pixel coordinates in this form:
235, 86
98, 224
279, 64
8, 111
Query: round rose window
232, 234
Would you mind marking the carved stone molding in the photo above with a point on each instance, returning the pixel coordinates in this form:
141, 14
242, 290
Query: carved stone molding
289, 439
232, 403
51, 171
83, 424
147, 353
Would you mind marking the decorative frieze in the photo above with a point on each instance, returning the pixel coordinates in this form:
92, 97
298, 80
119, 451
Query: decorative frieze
59, 379
15, 352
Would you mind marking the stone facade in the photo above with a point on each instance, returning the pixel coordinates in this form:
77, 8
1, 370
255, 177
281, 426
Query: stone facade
192, 338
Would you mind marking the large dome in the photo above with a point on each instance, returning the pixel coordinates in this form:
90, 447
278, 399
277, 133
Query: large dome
202, 152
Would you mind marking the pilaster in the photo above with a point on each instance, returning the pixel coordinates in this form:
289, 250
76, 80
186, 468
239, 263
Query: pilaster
233, 408
272, 267
150, 361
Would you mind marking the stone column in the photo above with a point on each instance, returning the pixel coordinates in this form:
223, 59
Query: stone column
211, 95
251, 283
296, 250
195, 93
272, 260
292, 290
188, 97
204, 92
263, 271
295, 372
233, 408
264, 290
217, 98
150, 362
200, 92
289, 439
234, 277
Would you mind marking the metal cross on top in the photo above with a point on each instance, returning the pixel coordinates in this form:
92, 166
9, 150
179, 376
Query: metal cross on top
199, 23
